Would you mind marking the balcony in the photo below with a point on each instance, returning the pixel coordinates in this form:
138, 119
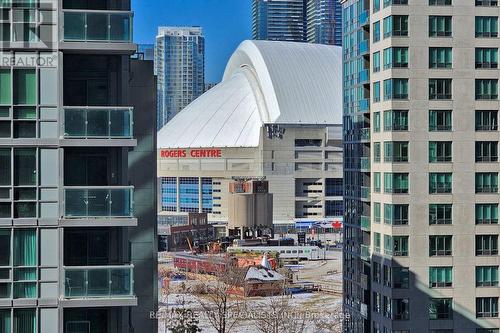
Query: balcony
364, 105
365, 164
365, 193
365, 252
103, 283
364, 47
94, 203
364, 18
99, 123
98, 26
364, 76
365, 134
365, 223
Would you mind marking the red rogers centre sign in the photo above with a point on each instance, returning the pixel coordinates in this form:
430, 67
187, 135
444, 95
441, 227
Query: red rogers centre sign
194, 153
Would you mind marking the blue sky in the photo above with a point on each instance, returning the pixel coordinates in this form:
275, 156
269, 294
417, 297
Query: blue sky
225, 24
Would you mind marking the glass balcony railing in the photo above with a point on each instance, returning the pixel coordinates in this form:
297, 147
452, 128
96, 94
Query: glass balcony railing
364, 18
98, 26
99, 281
364, 76
364, 105
365, 192
365, 163
365, 134
98, 122
96, 202
365, 252
365, 223
364, 47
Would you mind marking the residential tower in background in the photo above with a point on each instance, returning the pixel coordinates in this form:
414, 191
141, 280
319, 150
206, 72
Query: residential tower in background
180, 69
313, 21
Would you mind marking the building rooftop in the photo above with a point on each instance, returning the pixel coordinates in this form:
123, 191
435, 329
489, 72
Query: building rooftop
265, 82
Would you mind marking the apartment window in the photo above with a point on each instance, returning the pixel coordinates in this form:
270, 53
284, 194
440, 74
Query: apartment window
486, 26
386, 301
387, 89
487, 120
487, 213
376, 152
401, 277
376, 31
440, 120
396, 151
440, 57
376, 242
376, 91
401, 309
440, 214
440, 277
395, 89
376, 182
376, 272
486, 307
487, 276
395, 57
487, 57
439, 89
487, 3
400, 246
440, 245
396, 214
439, 26
486, 245
387, 245
440, 182
486, 182
396, 120
486, 151
376, 5
376, 61
376, 212
396, 182
440, 151
439, 2
377, 303
376, 122
486, 89
396, 25
388, 3
440, 308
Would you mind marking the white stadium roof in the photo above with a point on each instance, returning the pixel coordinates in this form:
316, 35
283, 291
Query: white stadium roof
264, 83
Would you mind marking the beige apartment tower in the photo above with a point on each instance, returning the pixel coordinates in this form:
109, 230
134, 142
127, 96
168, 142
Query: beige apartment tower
421, 166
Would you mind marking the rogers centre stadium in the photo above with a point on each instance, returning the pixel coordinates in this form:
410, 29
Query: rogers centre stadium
276, 115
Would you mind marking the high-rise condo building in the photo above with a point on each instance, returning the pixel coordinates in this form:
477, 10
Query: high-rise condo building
324, 22
421, 166
282, 20
312, 21
77, 208
180, 69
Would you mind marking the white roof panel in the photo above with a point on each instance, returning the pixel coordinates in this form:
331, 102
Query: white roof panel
265, 82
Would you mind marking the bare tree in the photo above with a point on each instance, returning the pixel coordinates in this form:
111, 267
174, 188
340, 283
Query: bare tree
216, 297
279, 316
